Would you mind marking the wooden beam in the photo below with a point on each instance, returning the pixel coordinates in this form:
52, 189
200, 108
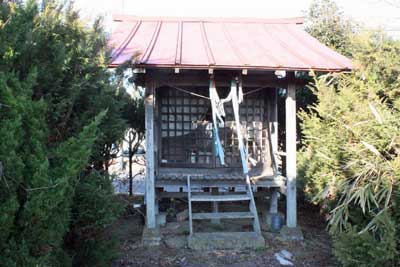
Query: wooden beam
291, 171
267, 183
220, 198
222, 78
222, 215
149, 124
162, 195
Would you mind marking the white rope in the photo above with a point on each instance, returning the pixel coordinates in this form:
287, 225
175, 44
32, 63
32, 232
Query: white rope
188, 92
255, 90
222, 100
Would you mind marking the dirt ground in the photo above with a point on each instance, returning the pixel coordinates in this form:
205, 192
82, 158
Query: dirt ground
314, 251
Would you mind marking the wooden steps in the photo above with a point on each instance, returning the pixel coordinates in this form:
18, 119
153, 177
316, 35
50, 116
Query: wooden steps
201, 240
222, 215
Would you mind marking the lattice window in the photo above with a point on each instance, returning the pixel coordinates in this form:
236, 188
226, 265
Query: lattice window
186, 128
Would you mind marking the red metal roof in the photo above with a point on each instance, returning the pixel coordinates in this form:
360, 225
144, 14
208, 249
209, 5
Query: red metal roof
203, 43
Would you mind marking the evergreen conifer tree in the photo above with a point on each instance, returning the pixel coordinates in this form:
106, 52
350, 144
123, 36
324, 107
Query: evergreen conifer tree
60, 118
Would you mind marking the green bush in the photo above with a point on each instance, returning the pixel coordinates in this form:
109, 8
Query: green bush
349, 161
95, 208
364, 249
98, 252
350, 165
60, 117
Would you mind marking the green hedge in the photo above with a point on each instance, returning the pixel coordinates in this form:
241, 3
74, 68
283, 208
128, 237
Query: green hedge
349, 162
60, 115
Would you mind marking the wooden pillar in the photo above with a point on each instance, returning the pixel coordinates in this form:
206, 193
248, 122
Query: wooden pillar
261, 203
149, 124
291, 172
273, 204
273, 119
214, 191
156, 206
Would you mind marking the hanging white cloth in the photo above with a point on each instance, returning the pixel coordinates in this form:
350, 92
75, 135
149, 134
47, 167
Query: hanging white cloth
218, 114
236, 100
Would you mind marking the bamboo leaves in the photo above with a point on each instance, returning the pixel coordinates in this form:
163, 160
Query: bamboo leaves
350, 157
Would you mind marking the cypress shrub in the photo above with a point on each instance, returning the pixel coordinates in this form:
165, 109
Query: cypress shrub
60, 117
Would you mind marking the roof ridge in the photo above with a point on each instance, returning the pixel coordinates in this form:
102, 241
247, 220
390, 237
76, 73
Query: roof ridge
292, 20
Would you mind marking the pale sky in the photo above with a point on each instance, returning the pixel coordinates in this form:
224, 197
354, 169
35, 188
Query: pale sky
375, 13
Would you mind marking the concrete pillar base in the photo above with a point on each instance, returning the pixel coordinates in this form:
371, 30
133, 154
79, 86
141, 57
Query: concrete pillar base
161, 219
291, 234
268, 218
151, 237
226, 241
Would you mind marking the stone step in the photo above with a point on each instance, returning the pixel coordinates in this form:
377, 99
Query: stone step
218, 198
226, 240
222, 215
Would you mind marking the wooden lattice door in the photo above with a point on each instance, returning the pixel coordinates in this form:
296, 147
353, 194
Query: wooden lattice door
186, 128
